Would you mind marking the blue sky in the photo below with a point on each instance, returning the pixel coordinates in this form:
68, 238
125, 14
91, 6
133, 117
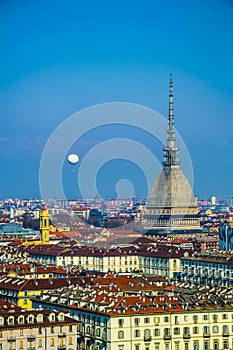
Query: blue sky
58, 57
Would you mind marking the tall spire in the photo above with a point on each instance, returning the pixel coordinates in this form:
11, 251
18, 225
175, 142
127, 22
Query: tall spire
171, 131
171, 151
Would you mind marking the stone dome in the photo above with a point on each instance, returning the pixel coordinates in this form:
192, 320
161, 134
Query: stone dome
171, 189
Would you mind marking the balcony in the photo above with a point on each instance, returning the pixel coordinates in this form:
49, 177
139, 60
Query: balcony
167, 337
186, 335
61, 347
206, 335
61, 335
225, 334
11, 338
148, 338
31, 337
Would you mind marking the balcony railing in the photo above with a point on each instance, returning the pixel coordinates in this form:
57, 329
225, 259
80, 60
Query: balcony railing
61, 335
206, 335
11, 338
186, 335
31, 337
167, 337
225, 334
147, 338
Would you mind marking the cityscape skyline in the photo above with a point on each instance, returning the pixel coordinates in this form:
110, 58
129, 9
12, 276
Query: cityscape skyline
65, 66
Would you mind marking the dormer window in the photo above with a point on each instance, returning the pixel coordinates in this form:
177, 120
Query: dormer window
61, 317
52, 317
30, 318
39, 318
21, 319
11, 320
1, 321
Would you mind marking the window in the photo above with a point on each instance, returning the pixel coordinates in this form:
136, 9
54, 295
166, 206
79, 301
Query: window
120, 334
156, 346
147, 335
137, 321
70, 328
21, 319
51, 317
195, 318
225, 329
21, 344
52, 329
21, 332
137, 347
224, 316
11, 320
40, 318
137, 333
215, 317
215, 329
157, 332
166, 319
205, 317
177, 345
196, 345
216, 345
176, 331
186, 318
206, 345
195, 330
225, 344
52, 342
206, 330
40, 330
70, 340
156, 320
166, 346
40, 343
120, 347
176, 320
61, 317
120, 322
186, 346
146, 320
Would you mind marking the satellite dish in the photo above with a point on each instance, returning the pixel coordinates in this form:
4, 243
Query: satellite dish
73, 158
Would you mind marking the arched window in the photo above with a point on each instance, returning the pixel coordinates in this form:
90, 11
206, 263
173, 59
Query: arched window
120, 334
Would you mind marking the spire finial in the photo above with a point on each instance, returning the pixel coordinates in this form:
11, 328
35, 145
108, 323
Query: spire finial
171, 151
171, 132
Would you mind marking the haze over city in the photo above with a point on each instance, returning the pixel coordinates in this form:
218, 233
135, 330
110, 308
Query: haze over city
60, 57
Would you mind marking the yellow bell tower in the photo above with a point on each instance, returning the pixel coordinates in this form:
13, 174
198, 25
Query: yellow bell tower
44, 225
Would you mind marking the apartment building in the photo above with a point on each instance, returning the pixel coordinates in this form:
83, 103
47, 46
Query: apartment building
210, 268
36, 329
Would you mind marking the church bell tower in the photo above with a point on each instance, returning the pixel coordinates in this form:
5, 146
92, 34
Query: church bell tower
44, 225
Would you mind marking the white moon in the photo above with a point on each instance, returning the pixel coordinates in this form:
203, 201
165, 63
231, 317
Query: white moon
73, 158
